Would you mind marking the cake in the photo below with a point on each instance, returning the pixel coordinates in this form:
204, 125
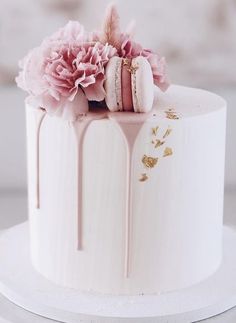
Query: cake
124, 198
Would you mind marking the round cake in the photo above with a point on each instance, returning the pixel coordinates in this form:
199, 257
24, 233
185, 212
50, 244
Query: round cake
128, 203
125, 173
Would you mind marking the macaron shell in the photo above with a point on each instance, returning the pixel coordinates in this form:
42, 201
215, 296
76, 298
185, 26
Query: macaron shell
113, 84
142, 85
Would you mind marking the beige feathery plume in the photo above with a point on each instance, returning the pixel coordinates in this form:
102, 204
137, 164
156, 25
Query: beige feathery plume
111, 27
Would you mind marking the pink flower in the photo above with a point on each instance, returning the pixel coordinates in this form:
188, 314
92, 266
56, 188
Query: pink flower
126, 47
65, 71
72, 31
158, 65
131, 49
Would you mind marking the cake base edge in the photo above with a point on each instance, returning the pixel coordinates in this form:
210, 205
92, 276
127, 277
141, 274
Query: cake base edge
29, 290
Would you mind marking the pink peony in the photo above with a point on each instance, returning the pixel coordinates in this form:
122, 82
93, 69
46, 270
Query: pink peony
131, 49
64, 70
72, 31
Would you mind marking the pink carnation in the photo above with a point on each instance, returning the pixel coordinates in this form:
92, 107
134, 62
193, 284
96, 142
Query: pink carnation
64, 69
72, 31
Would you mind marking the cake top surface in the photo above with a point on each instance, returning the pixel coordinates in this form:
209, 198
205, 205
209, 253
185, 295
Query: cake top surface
186, 102
179, 102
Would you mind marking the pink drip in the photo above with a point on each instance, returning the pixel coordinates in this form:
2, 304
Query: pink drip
80, 132
80, 128
38, 128
130, 126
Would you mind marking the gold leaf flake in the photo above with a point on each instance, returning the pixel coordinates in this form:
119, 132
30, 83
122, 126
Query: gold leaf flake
143, 177
166, 134
171, 114
149, 161
175, 117
154, 131
126, 61
159, 143
167, 152
133, 68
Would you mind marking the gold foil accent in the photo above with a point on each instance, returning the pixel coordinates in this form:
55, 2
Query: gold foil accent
167, 152
166, 134
126, 62
143, 177
133, 68
159, 143
174, 117
154, 131
149, 161
171, 114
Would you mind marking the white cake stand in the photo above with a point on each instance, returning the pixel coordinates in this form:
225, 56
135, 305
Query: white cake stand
22, 285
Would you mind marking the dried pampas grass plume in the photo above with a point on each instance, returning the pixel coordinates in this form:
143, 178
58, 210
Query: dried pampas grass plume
111, 27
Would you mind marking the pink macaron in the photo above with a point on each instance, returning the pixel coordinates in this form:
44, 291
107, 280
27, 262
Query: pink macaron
129, 85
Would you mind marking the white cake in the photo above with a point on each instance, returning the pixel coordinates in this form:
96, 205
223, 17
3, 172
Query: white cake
103, 220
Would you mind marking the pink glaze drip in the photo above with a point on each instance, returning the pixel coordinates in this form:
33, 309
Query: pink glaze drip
38, 128
130, 125
80, 128
126, 90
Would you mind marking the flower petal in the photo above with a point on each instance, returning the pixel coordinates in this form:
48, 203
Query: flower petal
96, 91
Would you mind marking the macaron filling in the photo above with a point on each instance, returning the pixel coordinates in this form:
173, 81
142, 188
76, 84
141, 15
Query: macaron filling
126, 87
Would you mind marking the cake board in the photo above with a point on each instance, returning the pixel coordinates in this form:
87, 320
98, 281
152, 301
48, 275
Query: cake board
22, 285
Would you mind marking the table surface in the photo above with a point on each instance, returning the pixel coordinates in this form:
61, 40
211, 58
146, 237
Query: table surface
13, 210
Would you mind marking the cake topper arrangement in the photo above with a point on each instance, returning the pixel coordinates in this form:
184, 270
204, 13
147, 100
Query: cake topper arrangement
73, 68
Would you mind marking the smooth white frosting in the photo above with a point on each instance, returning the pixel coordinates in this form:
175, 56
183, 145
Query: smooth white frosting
176, 227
